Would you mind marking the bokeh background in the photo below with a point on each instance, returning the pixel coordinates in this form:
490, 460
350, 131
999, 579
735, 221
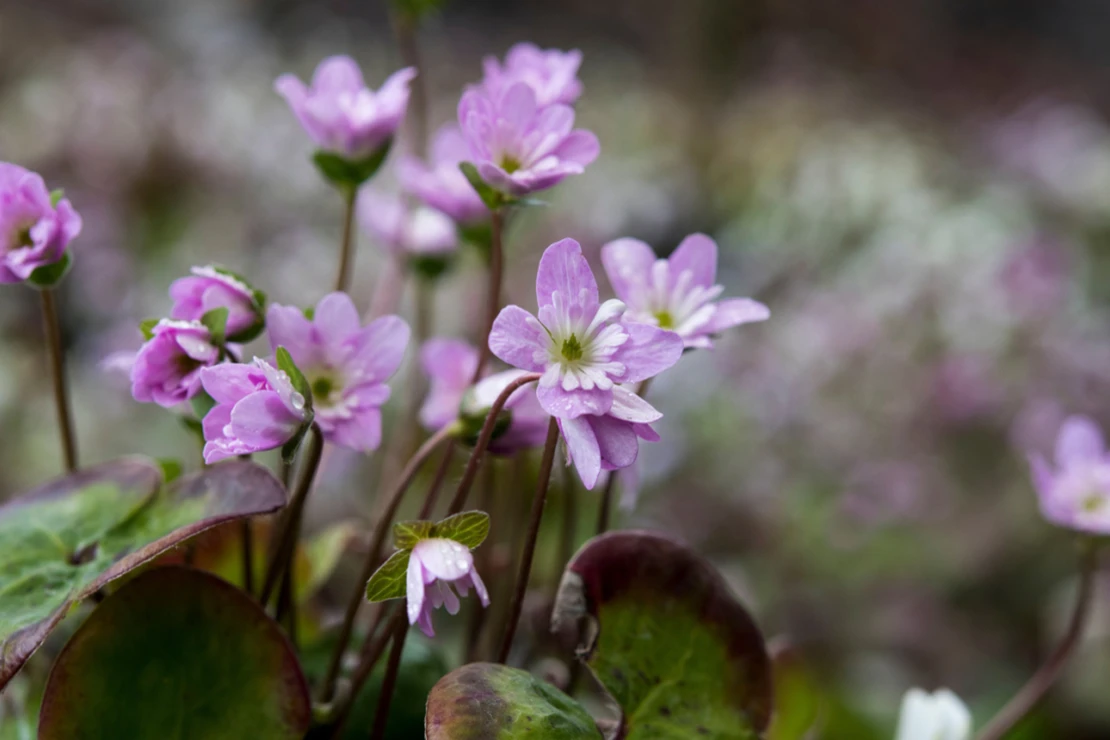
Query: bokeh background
919, 190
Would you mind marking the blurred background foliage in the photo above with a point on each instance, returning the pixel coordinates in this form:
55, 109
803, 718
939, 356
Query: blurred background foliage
920, 191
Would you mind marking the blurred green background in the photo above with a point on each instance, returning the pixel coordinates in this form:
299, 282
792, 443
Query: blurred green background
919, 190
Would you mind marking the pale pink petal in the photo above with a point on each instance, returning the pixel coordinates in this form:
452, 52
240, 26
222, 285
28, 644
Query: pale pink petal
335, 318
1079, 441
628, 264
583, 449
627, 406
564, 269
449, 361
518, 106
414, 580
698, 254
337, 74
228, 383
733, 312
580, 147
262, 420
288, 327
445, 559
362, 432
648, 351
380, 348
616, 440
572, 404
516, 339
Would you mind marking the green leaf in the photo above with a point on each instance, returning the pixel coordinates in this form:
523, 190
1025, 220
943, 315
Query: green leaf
257, 295
289, 449
300, 383
349, 174
431, 267
469, 528
176, 652
407, 534
48, 276
798, 697
56, 197
485, 701
147, 328
216, 323
668, 640
202, 403
171, 469
69, 538
492, 198
388, 582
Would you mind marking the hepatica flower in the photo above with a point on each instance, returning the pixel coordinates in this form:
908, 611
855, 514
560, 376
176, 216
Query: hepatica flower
34, 232
209, 288
346, 365
435, 566
340, 113
167, 369
256, 409
519, 147
1076, 494
678, 293
937, 716
552, 74
584, 348
449, 365
419, 231
439, 183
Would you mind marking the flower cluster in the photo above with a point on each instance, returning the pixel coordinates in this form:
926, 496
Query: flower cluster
35, 227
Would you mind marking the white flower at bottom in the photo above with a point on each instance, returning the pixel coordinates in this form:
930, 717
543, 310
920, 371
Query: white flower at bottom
937, 716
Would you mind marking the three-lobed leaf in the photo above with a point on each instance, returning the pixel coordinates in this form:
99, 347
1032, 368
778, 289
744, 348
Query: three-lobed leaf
469, 528
389, 581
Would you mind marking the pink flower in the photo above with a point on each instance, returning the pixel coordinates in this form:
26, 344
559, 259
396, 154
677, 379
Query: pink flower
210, 288
416, 231
1076, 494
519, 147
256, 409
168, 367
584, 348
342, 115
439, 183
33, 232
552, 74
346, 365
449, 365
676, 293
437, 564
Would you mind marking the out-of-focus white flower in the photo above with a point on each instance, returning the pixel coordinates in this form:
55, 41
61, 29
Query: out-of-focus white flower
936, 716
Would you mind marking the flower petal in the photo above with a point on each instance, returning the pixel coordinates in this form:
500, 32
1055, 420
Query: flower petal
337, 74
414, 580
228, 383
335, 318
616, 440
583, 449
380, 348
628, 264
698, 254
444, 558
627, 406
733, 312
565, 404
449, 361
262, 421
288, 327
516, 338
579, 147
648, 351
564, 269
1080, 441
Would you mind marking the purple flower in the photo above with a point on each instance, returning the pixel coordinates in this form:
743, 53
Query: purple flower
437, 564
584, 348
340, 113
609, 441
416, 231
449, 365
439, 183
1076, 494
33, 232
346, 365
518, 147
167, 369
256, 409
676, 293
209, 288
552, 74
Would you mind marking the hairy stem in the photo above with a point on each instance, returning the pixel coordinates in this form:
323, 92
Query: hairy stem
53, 334
290, 528
493, 293
343, 279
484, 438
1046, 676
535, 518
377, 539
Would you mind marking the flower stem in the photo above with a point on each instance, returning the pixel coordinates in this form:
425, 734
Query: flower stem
368, 658
437, 482
404, 28
493, 294
530, 543
1046, 676
58, 372
343, 280
389, 682
484, 438
246, 534
377, 539
605, 507
286, 537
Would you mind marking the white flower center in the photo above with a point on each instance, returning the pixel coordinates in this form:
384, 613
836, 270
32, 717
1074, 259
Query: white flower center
580, 348
683, 308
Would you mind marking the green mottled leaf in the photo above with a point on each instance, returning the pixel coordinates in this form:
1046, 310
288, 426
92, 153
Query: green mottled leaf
67, 539
388, 581
485, 701
176, 653
407, 534
48, 276
668, 640
492, 198
349, 174
469, 528
216, 323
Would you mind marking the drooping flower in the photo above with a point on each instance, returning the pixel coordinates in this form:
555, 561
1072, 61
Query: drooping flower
419, 231
678, 293
256, 409
167, 369
584, 349
1076, 494
438, 182
449, 365
340, 113
519, 147
33, 232
937, 716
437, 564
551, 73
209, 288
346, 365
